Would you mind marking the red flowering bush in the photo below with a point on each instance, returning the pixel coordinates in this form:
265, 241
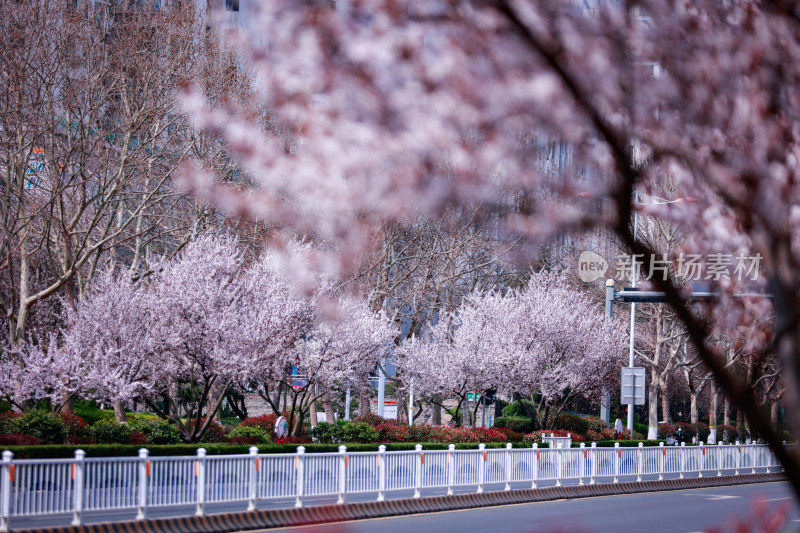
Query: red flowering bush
665, 431
267, 424
595, 436
137, 437
536, 436
296, 440
596, 424
18, 439
688, 429
513, 436
626, 435
74, 427
393, 432
375, 420
702, 431
264, 422
489, 435
5, 418
732, 432
243, 441
214, 433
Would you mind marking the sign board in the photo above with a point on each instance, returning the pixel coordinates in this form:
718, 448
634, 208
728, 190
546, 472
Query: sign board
281, 428
389, 409
35, 167
632, 389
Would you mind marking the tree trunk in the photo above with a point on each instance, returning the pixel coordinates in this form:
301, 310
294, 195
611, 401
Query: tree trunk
402, 405
214, 397
466, 411
652, 405
364, 407
436, 414
312, 413
712, 415
119, 412
726, 415
663, 383
327, 404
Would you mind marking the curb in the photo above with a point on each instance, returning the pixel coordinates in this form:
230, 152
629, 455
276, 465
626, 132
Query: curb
274, 518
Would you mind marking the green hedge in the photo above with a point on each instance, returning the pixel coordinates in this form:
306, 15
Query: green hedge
623, 443
126, 450
118, 450
516, 423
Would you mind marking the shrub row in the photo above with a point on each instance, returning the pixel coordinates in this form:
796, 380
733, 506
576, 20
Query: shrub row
372, 428
43, 427
121, 450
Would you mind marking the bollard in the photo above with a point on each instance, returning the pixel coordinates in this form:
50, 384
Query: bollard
481, 466
702, 459
682, 463
508, 466
381, 472
5, 507
342, 473
451, 467
639, 463
144, 473
581, 463
254, 466
662, 457
418, 472
535, 464
200, 473
617, 455
738, 457
720, 452
558, 465
593, 464
300, 466
77, 476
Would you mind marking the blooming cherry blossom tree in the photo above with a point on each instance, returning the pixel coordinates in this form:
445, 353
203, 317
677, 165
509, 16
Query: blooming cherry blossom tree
548, 341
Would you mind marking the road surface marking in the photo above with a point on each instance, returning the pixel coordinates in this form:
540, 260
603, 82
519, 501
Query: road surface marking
715, 497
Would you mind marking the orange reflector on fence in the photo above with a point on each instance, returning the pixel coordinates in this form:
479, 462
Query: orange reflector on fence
740, 449
537, 454
147, 468
196, 468
484, 457
585, 453
345, 461
12, 473
664, 451
448, 457
296, 462
619, 453
422, 458
378, 457
704, 451
258, 464
73, 470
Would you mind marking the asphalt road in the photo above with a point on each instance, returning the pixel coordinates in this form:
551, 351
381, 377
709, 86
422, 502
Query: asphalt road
720, 509
584, 514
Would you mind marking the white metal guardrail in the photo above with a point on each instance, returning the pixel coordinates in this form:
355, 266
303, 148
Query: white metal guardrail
57, 486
